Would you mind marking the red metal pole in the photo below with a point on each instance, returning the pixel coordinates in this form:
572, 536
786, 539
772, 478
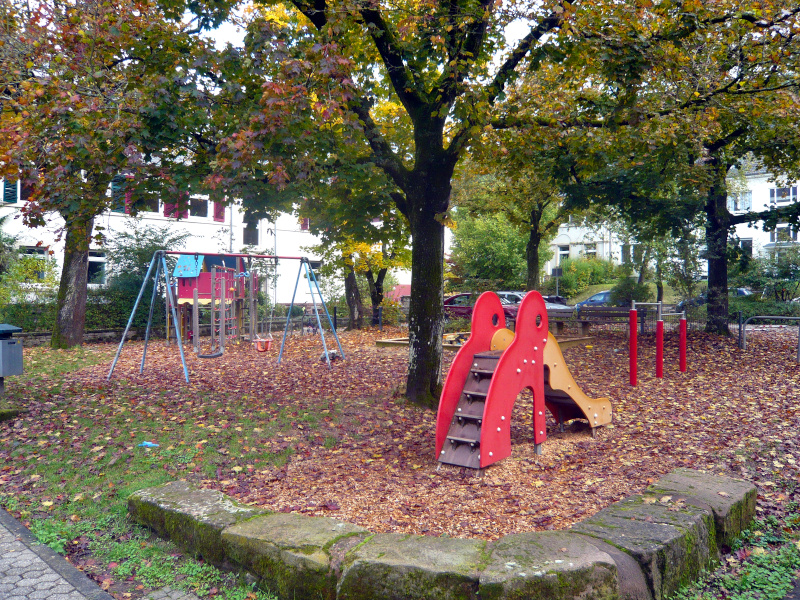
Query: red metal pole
633, 347
660, 349
683, 346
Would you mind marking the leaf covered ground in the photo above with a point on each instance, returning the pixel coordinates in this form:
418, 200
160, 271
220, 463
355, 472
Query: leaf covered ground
341, 442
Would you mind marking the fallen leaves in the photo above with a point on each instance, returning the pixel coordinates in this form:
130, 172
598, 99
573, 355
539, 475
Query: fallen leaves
303, 438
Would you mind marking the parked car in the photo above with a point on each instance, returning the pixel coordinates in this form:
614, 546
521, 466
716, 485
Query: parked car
599, 299
460, 307
512, 297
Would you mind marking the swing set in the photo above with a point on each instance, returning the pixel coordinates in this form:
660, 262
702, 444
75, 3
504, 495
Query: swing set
223, 283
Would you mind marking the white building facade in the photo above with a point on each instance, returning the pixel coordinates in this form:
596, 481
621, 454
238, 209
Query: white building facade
574, 240
212, 227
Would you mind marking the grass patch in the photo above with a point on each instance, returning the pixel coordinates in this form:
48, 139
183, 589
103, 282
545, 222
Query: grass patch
763, 565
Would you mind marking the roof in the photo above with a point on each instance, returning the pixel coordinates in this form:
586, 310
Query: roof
188, 265
398, 292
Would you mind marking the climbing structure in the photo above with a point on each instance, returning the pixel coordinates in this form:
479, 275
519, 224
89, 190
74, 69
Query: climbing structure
473, 427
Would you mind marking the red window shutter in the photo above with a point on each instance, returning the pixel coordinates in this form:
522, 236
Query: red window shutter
219, 212
305, 224
169, 209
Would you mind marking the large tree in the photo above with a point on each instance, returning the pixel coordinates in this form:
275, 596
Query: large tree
335, 74
661, 100
508, 178
75, 80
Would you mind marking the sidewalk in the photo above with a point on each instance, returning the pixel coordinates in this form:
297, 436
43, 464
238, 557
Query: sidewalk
29, 571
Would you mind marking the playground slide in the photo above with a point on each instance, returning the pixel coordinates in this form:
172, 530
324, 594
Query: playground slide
563, 397
473, 425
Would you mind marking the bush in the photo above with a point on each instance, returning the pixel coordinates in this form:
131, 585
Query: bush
755, 305
626, 291
392, 312
457, 325
579, 274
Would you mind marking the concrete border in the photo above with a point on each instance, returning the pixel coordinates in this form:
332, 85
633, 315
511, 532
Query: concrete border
644, 547
55, 561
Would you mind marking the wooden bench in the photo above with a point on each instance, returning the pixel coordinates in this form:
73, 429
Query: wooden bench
560, 316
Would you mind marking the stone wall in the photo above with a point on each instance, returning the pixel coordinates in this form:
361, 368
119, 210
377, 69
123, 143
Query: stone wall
644, 547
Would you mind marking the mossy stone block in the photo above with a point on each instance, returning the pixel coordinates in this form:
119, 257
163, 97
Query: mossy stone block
7, 413
732, 501
191, 517
290, 552
670, 555
395, 567
555, 565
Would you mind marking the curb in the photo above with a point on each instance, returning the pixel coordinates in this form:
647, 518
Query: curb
644, 547
55, 561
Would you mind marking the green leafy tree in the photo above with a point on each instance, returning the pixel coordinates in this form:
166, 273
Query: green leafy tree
77, 80
660, 101
398, 88
488, 252
521, 194
776, 274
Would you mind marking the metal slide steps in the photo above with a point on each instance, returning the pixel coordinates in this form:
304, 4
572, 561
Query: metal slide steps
463, 445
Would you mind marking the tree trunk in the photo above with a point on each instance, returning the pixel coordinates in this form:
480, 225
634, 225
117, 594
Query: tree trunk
376, 292
659, 282
532, 256
717, 225
643, 266
71, 301
426, 314
354, 303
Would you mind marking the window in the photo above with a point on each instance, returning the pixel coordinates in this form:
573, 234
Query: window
638, 253
740, 202
590, 250
147, 202
35, 253
10, 191
746, 246
782, 234
219, 212
97, 267
198, 207
563, 253
250, 234
305, 224
783, 195
626, 254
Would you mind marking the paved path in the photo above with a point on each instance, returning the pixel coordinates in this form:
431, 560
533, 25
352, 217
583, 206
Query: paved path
29, 571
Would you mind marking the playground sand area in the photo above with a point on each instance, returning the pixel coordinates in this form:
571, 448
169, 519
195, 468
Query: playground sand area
342, 442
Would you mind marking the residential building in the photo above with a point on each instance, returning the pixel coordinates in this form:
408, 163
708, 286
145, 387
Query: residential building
575, 240
212, 227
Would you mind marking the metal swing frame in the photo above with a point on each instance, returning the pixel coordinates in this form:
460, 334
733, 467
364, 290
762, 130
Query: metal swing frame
310, 276
160, 264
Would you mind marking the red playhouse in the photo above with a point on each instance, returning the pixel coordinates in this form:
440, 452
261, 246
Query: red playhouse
224, 283
473, 425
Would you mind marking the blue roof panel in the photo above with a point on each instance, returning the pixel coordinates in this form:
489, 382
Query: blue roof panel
188, 265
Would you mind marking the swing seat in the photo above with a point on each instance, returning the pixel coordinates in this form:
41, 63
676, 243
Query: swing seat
263, 344
213, 355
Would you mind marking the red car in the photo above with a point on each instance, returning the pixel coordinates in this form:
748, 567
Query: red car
460, 307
